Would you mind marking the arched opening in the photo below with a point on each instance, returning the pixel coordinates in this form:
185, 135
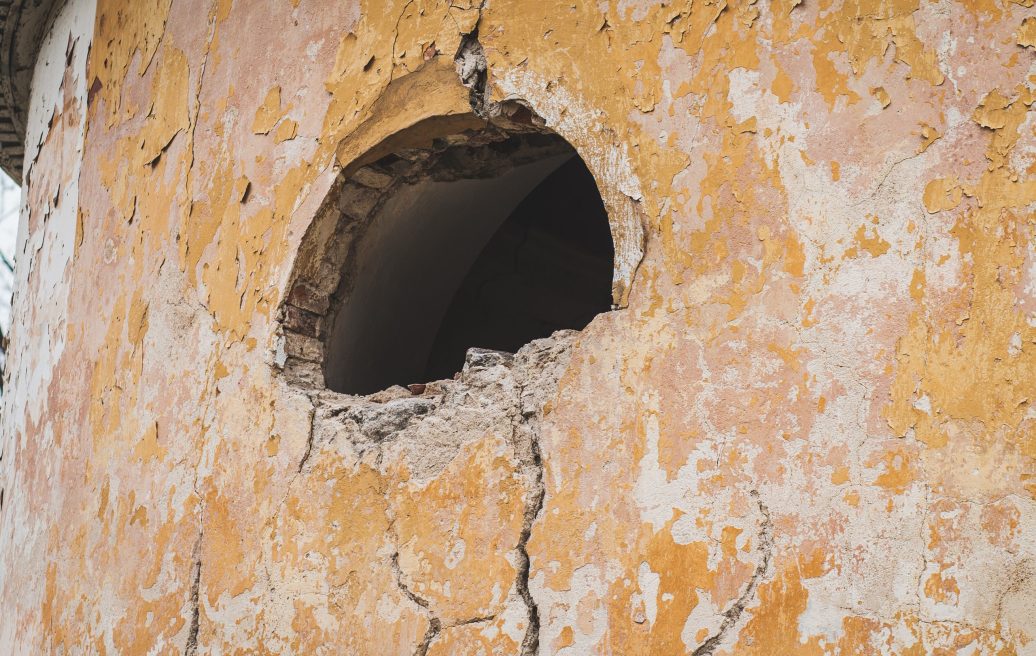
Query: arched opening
484, 239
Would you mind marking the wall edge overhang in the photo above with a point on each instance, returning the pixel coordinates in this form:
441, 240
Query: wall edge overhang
22, 25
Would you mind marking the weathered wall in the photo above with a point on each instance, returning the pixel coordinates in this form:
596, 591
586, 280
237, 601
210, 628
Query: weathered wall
810, 431
36, 416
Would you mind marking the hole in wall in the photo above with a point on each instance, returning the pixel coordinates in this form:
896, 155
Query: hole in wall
486, 239
548, 267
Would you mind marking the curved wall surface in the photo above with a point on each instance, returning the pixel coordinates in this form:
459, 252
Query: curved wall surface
809, 429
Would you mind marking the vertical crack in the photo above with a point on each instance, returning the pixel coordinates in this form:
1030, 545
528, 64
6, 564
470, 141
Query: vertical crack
191, 647
733, 614
531, 643
924, 552
539, 364
395, 38
473, 70
533, 457
197, 98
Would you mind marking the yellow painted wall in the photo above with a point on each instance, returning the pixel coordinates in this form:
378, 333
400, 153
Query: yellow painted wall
810, 431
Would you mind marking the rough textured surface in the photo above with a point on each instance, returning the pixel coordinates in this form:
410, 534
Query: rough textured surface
810, 431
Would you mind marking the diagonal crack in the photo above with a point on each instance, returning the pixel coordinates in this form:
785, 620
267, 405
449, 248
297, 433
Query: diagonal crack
434, 623
472, 620
733, 614
309, 439
884, 178
434, 627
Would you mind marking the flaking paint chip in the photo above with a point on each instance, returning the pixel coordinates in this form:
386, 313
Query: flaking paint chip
1026, 34
268, 113
881, 96
929, 135
286, 131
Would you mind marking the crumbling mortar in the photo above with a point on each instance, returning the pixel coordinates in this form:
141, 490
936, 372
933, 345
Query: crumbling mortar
473, 70
351, 412
733, 614
395, 419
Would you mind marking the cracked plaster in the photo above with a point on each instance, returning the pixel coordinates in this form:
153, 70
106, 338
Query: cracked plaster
810, 429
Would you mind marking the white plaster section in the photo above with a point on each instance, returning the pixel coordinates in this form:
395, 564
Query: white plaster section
1024, 151
823, 616
515, 621
655, 494
636, 9
648, 581
38, 325
610, 164
48, 251
827, 214
580, 607
825, 211
455, 555
706, 615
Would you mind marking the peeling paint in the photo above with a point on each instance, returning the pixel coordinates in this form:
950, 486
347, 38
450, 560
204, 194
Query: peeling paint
809, 429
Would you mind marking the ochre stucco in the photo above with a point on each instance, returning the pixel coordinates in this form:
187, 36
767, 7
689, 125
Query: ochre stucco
810, 431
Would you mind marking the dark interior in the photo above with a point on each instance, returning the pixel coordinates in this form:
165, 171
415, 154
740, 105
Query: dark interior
547, 268
483, 254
